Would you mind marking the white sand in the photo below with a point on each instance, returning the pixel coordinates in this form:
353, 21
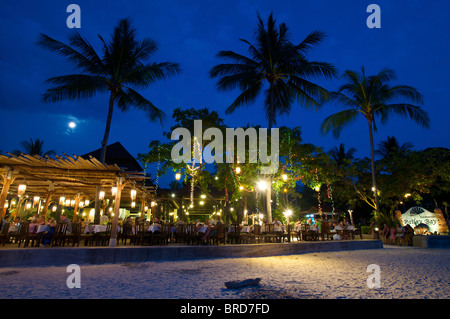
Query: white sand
406, 272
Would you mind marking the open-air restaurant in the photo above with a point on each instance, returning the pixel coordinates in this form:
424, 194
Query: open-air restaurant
110, 206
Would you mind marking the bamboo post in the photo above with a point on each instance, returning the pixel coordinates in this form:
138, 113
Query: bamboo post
47, 202
113, 239
75, 209
7, 181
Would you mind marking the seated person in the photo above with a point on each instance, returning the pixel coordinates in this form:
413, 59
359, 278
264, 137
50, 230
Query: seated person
64, 219
41, 220
212, 228
33, 226
297, 224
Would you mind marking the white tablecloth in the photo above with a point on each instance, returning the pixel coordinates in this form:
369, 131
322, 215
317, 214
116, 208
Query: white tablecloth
13, 228
96, 228
43, 228
153, 228
203, 229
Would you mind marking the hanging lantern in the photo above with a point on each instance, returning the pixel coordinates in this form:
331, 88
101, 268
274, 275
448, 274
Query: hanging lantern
21, 189
114, 191
62, 199
238, 170
81, 204
72, 202
101, 195
54, 208
133, 204
67, 202
177, 176
133, 194
28, 206
86, 202
36, 200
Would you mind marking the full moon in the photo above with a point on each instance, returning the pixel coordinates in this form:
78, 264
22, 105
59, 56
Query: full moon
72, 124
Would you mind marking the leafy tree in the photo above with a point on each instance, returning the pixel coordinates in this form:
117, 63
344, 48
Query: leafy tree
34, 147
277, 66
371, 97
120, 69
391, 146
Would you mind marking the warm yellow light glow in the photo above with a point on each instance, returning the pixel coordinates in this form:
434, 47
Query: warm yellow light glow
231, 209
288, 213
62, 199
238, 170
407, 195
241, 187
28, 205
177, 176
202, 202
21, 189
133, 194
87, 202
284, 176
36, 200
114, 191
67, 203
133, 204
72, 202
262, 185
101, 195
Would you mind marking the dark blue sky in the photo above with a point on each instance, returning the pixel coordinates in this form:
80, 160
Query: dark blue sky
413, 40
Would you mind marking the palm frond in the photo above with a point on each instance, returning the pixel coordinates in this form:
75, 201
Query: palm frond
337, 121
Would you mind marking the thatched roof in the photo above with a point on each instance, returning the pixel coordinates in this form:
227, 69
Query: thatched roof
116, 154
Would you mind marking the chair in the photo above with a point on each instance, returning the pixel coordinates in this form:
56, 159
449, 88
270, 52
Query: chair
25, 235
75, 236
306, 233
104, 236
233, 236
191, 234
286, 235
269, 235
325, 231
257, 235
220, 236
4, 235
127, 233
161, 237
180, 234
59, 237
140, 234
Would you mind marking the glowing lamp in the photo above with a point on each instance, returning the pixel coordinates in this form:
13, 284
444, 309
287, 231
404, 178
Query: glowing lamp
21, 189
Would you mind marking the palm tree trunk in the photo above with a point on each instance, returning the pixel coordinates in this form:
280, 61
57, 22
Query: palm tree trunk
103, 154
107, 128
372, 163
269, 180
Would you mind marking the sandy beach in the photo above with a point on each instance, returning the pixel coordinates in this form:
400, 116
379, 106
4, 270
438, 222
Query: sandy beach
406, 272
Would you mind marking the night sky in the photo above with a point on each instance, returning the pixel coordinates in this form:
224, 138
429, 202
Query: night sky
413, 41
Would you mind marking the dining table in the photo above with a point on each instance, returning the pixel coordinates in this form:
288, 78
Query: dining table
96, 228
153, 228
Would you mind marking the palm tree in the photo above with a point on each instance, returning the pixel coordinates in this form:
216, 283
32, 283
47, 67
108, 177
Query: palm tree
372, 96
34, 147
121, 68
391, 146
340, 155
278, 67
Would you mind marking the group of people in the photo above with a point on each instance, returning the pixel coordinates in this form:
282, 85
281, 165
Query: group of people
34, 223
397, 234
